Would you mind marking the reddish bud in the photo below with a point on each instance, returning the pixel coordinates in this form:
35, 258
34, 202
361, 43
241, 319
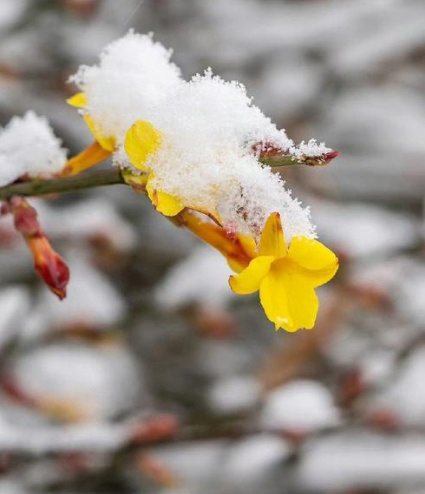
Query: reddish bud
155, 429
47, 263
274, 156
50, 266
331, 155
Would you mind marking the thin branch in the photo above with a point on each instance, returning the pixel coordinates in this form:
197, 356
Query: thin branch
57, 186
112, 177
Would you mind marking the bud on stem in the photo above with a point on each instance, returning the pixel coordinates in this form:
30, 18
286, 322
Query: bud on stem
47, 263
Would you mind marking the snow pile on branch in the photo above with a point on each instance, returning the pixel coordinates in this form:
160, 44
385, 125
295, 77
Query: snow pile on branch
29, 147
209, 156
134, 75
211, 135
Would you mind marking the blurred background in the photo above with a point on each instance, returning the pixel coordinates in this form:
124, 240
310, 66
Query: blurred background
151, 377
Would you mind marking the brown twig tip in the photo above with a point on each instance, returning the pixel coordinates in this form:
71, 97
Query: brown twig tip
274, 157
47, 263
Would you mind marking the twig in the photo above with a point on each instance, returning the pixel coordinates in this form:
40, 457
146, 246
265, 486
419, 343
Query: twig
112, 177
60, 185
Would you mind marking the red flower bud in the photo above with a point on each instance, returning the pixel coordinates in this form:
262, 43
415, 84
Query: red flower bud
47, 263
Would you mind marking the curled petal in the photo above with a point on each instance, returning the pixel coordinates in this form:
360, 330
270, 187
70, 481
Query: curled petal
247, 244
272, 242
79, 100
141, 140
231, 246
319, 263
249, 280
107, 142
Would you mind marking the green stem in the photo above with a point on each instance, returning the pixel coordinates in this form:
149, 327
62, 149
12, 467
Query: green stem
275, 161
60, 185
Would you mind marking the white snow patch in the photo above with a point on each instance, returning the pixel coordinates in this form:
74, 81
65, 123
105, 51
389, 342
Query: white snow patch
201, 278
405, 395
211, 135
133, 76
364, 230
91, 299
360, 460
234, 394
252, 459
29, 147
87, 219
301, 406
102, 382
42, 439
14, 307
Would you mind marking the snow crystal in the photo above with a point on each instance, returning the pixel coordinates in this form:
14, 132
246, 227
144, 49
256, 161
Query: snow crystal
310, 148
29, 147
134, 75
211, 134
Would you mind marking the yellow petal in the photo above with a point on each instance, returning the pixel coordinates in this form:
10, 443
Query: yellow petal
141, 140
216, 236
288, 298
79, 100
318, 262
248, 246
303, 302
89, 157
165, 203
274, 299
108, 143
234, 265
272, 242
138, 182
249, 280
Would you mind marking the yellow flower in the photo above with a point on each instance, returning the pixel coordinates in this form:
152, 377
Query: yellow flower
108, 143
286, 278
100, 150
141, 141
